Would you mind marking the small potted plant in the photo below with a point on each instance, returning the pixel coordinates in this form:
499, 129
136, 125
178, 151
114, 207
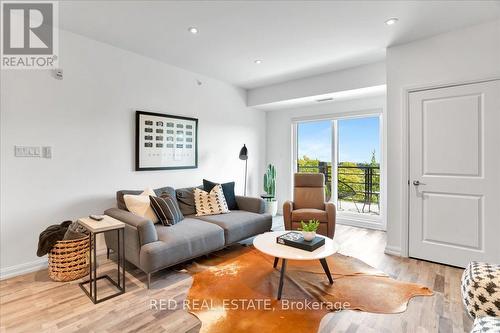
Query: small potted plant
309, 229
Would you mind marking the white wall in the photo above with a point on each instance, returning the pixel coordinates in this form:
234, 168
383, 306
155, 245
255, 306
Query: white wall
88, 119
463, 55
348, 79
279, 135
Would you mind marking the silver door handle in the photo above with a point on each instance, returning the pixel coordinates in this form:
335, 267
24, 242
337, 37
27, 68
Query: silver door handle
417, 183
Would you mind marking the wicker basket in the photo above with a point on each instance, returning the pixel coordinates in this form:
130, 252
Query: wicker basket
69, 260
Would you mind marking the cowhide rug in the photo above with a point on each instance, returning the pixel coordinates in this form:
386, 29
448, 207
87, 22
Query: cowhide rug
235, 291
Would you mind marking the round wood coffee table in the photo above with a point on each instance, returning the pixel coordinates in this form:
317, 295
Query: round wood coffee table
266, 243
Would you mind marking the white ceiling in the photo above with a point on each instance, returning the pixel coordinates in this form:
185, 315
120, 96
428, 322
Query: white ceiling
293, 38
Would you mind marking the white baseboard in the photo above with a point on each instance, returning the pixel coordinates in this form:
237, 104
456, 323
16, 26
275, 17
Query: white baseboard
21, 269
361, 223
36, 265
393, 250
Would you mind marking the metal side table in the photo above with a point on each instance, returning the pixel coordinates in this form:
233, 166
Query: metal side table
108, 224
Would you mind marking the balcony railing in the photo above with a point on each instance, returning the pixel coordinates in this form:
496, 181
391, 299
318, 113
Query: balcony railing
358, 185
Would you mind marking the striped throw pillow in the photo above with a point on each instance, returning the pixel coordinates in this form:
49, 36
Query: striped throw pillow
210, 203
166, 209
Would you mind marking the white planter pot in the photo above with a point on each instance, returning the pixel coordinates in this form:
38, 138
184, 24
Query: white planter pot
308, 235
272, 207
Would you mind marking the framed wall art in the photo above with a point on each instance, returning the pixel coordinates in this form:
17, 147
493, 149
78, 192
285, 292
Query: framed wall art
165, 142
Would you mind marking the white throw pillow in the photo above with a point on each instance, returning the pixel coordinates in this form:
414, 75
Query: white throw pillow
140, 204
212, 203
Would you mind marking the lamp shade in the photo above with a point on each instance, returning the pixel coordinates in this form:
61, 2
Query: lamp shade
243, 153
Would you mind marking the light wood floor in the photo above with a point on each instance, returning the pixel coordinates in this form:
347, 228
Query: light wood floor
33, 303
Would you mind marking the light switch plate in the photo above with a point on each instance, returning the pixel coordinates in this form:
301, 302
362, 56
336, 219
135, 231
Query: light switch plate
27, 151
33, 151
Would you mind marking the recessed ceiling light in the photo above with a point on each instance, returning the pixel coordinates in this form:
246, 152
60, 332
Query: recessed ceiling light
258, 61
193, 30
392, 21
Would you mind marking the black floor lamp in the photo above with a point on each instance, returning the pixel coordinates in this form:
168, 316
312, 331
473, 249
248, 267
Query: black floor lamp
244, 156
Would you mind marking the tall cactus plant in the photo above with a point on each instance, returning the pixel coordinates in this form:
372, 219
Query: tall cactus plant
270, 180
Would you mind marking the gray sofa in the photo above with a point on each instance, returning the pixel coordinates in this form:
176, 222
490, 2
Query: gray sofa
153, 247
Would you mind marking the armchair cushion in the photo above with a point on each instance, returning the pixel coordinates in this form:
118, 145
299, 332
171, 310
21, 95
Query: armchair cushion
309, 197
309, 190
306, 214
309, 180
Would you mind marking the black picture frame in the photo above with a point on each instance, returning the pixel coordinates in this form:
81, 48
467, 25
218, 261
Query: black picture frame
138, 147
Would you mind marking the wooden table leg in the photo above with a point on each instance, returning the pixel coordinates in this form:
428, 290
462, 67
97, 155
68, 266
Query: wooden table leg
276, 262
326, 269
282, 276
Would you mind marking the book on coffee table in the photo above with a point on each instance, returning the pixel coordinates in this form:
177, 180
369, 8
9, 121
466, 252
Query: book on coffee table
295, 239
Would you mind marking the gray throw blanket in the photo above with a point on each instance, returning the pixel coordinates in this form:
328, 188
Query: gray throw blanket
49, 237
75, 231
67, 230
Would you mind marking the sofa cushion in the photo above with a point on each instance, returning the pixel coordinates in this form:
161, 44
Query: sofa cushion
166, 209
187, 239
227, 188
121, 203
306, 214
185, 199
240, 224
210, 203
141, 204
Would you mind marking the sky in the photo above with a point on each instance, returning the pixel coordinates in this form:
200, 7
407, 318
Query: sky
358, 137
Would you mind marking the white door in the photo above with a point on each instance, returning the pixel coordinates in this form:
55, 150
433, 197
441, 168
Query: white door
455, 174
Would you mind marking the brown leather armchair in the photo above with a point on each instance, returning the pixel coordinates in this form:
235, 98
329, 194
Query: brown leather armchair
309, 203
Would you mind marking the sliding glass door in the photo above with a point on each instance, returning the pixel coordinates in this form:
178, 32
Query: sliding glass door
314, 144
358, 166
347, 151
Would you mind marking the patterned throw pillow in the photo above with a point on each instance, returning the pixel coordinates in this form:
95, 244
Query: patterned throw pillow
210, 203
227, 189
166, 209
481, 289
486, 325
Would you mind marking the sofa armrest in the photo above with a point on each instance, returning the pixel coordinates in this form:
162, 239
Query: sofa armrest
251, 204
145, 228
